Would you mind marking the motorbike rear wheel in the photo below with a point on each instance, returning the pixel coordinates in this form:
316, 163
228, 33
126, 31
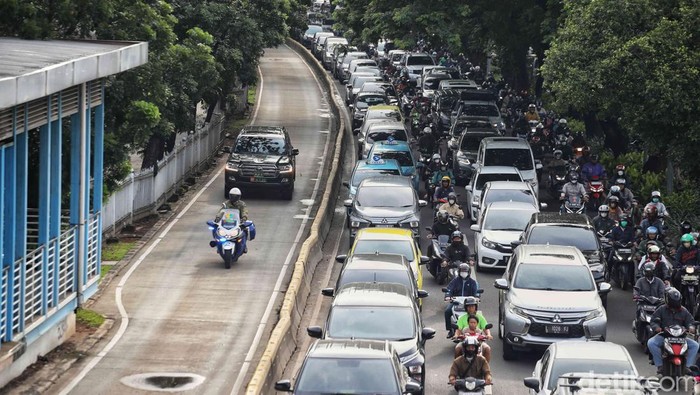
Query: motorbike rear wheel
442, 276
228, 258
622, 275
691, 304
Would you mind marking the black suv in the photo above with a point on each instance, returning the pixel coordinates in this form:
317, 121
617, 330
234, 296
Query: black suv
262, 157
568, 230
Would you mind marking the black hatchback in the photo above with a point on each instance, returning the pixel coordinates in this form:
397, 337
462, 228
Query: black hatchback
262, 157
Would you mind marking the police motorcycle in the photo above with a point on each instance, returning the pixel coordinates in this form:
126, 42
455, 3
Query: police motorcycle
231, 236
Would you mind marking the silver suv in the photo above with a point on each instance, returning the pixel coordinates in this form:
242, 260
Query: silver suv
548, 294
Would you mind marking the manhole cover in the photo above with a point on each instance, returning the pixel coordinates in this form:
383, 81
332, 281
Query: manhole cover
164, 382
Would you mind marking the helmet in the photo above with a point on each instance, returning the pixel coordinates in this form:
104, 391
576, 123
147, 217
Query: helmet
653, 249
621, 181
573, 176
615, 190
452, 197
470, 301
673, 298
427, 130
539, 126
532, 107
445, 178
562, 122
687, 238
459, 234
234, 195
465, 268
652, 231
594, 157
655, 194
470, 346
620, 169
557, 153
649, 269
442, 216
436, 157
686, 227
651, 211
604, 209
613, 199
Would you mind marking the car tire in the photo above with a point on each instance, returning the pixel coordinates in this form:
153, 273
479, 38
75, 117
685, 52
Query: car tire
501, 328
288, 193
508, 352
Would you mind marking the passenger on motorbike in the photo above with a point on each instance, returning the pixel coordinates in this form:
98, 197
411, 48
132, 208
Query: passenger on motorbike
470, 364
452, 207
444, 190
426, 142
616, 212
573, 188
648, 286
602, 223
661, 209
672, 313
462, 285
661, 265
442, 172
557, 161
652, 219
471, 306
531, 114
592, 169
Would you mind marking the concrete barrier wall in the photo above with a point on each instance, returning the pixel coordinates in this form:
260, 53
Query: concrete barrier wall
283, 340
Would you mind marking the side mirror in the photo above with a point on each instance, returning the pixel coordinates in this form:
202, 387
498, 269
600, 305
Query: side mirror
428, 333
424, 260
346, 184
479, 292
211, 223
543, 206
348, 86
283, 386
347, 203
412, 387
227, 149
468, 188
355, 132
328, 292
351, 106
422, 203
475, 204
538, 166
501, 283
315, 332
488, 326
422, 294
474, 228
341, 258
361, 140
533, 383
604, 288
515, 244
295, 151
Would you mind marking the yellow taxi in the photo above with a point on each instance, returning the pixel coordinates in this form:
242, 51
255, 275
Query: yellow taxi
390, 241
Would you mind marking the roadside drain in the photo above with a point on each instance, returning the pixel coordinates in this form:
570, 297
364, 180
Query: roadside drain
163, 382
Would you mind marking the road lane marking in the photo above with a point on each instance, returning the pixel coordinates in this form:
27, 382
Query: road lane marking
118, 291
238, 384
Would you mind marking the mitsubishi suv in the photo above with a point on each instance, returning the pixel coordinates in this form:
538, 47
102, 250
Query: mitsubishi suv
262, 157
547, 294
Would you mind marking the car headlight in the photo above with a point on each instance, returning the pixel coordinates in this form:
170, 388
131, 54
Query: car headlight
358, 115
414, 224
518, 311
475, 198
233, 166
595, 314
285, 168
355, 224
417, 369
284, 160
488, 243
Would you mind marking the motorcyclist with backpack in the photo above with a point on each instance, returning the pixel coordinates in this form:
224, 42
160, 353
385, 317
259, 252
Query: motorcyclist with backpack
441, 226
427, 142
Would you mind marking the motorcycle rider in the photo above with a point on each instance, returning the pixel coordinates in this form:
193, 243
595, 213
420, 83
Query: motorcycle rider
562, 127
602, 222
471, 306
452, 207
441, 226
573, 188
592, 169
660, 206
462, 285
649, 286
444, 190
234, 202
616, 212
626, 196
470, 364
661, 265
623, 233
442, 172
686, 254
426, 142
672, 313
532, 114
652, 219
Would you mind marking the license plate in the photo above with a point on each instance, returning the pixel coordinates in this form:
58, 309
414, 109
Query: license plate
228, 245
689, 278
257, 179
385, 226
557, 329
676, 340
624, 251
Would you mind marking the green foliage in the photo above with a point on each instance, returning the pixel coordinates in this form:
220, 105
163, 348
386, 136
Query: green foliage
116, 251
89, 317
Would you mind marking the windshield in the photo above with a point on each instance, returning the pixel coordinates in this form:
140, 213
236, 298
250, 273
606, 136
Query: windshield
446, 103
260, 145
581, 238
484, 178
553, 277
432, 83
366, 173
313, 29
347, 376
230, 218
361, 80
366, 101
419, 61
381, 114
508, 220
404, 158
383, 134
516, 157
470, 143
401, 247
377, 197
484, 110
374, 323
563, 366
378, 276
508, 195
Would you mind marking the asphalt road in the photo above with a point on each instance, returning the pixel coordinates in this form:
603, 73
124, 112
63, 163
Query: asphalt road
186, 313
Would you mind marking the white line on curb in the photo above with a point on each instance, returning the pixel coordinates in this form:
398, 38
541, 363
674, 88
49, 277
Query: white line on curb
268, 310
118, 292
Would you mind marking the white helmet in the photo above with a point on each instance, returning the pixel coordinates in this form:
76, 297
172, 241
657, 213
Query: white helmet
234, 194
427, 130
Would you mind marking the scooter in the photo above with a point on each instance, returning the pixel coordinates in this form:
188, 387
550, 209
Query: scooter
471, 386
557, 179
689, 289
231, 236
641, 325
596, 193
572, 205
623, 264
674, 351
437, 257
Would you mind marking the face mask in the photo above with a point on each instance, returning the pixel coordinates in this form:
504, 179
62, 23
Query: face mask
655, 199
574, 181
452, 201
649, 276
619, 173
469, 353
603, 215
623, 223
463, 275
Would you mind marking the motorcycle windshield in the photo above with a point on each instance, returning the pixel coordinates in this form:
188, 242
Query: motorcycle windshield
575, 201
443, 240
231, 218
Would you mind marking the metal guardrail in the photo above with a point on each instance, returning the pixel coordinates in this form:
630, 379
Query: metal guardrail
66, 265
33, 281
93, 237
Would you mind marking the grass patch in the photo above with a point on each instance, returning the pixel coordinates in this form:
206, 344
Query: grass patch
251, 94
89, 317
104, 269
116, 251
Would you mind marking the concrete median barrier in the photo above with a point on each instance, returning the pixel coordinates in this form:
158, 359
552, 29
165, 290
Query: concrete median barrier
283, 339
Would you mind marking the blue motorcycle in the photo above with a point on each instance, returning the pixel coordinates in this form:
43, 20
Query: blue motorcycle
231, 236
